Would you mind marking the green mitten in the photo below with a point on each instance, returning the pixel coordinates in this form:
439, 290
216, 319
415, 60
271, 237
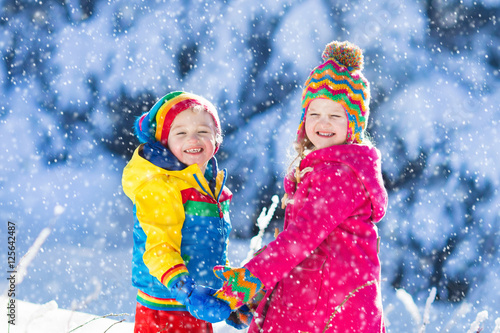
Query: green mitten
239, 287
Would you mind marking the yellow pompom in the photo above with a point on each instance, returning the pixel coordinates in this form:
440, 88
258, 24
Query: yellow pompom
345, 53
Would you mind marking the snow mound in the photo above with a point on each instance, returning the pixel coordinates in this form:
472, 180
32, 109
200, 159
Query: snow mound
49, 318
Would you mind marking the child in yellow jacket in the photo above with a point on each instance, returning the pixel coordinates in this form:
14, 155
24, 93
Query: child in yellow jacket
181, 220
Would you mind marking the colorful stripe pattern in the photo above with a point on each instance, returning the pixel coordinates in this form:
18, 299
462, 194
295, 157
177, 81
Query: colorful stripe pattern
339, 79
206, 212
200, 208
154, 125
240, 285
156, 303
173, 274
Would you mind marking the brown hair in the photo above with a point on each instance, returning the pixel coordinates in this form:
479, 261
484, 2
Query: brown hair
300, 148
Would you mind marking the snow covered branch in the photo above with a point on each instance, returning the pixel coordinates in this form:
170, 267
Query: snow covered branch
263, 221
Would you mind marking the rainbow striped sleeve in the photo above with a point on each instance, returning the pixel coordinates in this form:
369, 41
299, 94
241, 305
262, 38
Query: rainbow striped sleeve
173, 274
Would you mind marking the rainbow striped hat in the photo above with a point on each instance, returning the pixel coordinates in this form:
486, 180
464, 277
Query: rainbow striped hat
340, 79
154, 125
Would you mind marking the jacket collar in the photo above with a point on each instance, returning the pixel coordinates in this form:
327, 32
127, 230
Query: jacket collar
365, 161
162, 157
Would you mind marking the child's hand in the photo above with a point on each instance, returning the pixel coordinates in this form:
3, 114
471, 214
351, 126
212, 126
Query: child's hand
200, 301
240, 318
239, 287
203, 305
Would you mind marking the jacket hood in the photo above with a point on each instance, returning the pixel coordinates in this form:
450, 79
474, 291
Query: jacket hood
162, 157
365, 161
154, 160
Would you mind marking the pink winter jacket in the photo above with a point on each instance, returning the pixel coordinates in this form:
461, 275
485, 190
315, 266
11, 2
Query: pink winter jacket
328, 248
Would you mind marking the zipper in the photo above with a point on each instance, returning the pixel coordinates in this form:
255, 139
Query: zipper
221, 214
219, 207
221, 221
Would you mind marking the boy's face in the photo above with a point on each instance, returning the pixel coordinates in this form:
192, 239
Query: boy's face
192, 137
326, 123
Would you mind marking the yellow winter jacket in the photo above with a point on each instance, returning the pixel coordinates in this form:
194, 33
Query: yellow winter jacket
181, 223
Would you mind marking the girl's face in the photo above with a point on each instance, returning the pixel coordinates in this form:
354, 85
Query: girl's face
192, 137
326, 123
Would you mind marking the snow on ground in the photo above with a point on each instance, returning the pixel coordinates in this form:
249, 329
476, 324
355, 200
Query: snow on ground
49, 318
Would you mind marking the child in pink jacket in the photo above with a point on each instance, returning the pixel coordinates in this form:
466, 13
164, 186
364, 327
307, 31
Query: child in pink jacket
322, 273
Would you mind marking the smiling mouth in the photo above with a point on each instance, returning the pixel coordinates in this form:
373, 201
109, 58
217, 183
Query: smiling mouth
193, 150
325, 134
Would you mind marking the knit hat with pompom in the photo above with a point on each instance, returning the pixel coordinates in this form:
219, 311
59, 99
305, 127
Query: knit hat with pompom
155, 124
340, 79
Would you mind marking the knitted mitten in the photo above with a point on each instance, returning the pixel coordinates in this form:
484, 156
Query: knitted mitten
239, 287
